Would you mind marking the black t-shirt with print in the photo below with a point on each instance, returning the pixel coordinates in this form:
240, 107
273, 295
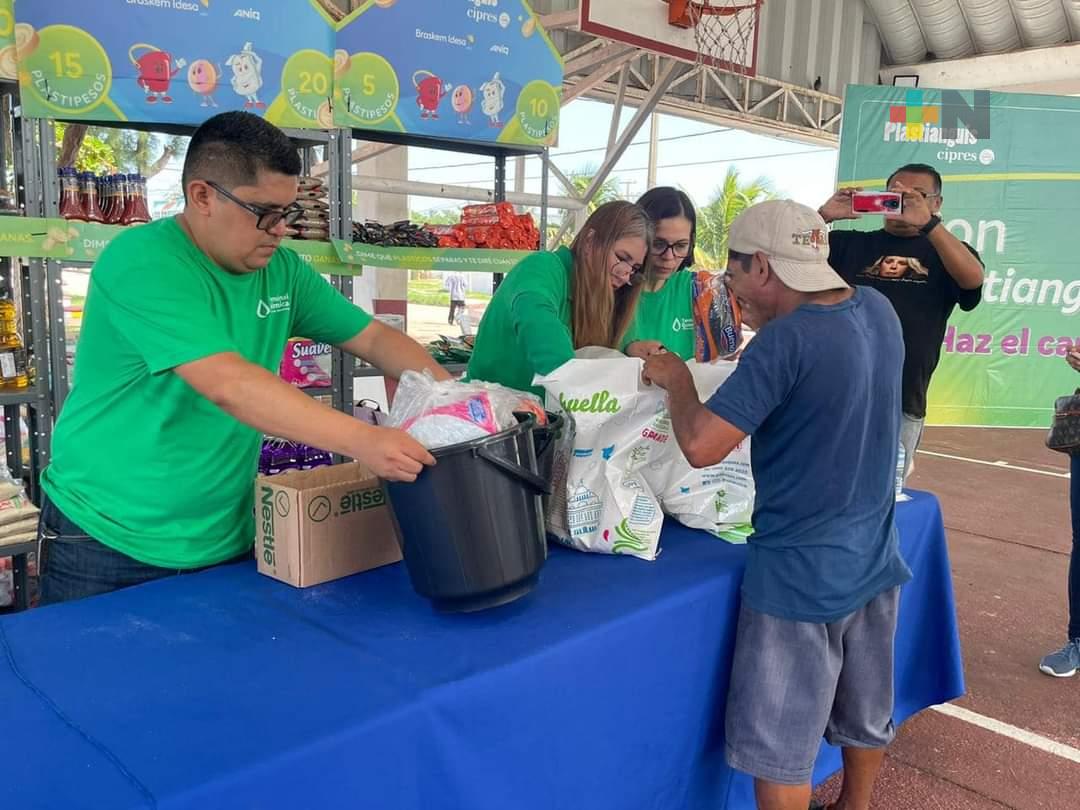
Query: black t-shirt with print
909, 272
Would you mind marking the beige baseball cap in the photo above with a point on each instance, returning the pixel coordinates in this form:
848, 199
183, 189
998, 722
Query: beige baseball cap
794, 237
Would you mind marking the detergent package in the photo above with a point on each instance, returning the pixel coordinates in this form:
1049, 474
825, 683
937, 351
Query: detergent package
306, 364
717, 320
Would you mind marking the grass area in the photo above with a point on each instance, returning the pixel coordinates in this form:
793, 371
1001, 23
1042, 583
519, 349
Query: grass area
430, 292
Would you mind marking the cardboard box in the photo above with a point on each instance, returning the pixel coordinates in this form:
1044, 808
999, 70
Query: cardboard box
312, 526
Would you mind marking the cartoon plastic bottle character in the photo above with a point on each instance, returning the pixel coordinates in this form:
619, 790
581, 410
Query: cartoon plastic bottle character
430, 92
247, 76
462, 100
493, 93
156, 69
203, 80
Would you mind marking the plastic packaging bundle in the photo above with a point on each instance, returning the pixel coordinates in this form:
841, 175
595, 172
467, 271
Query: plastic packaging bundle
281, 455
18, 524
306, 363
717, 320
441, 413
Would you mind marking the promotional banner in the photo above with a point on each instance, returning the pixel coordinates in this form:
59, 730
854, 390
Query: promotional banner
471, 70
461, 259
8, 51
1010, 190
175, 61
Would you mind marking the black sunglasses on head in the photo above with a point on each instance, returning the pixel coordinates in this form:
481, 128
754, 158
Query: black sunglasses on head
267, 217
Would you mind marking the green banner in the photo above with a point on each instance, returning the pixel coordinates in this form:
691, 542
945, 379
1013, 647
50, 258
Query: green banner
1010, 173
74, 241
476, 260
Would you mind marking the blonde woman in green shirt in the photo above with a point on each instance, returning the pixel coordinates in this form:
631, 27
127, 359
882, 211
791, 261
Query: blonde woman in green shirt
553, 303
665, 315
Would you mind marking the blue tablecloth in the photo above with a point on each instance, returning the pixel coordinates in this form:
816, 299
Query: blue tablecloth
604, 688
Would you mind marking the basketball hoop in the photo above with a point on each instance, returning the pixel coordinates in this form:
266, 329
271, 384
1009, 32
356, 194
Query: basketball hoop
725, 31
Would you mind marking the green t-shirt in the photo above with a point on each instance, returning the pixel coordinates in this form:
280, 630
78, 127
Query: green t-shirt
668, 316
526, 328
141, 461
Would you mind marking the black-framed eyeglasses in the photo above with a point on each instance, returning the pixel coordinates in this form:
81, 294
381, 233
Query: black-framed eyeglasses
680, 250
635, 269
267, 218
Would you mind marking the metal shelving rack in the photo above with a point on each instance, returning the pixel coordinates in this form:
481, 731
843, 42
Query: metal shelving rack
307, 141
498, 152
37, 300
42, 280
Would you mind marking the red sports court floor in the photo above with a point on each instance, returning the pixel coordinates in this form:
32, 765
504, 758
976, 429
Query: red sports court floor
1016, 743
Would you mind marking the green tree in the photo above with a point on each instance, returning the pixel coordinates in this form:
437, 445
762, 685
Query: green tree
102, 149
146, 153
94, 155
581, 179
729, 200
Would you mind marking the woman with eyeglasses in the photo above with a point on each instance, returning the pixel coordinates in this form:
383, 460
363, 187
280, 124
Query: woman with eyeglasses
553, 303
665, 316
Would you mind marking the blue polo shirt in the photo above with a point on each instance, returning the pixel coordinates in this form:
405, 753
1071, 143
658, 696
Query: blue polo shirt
819, 392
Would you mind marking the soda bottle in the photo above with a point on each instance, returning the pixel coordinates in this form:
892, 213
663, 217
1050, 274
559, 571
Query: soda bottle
70, 200
88, 192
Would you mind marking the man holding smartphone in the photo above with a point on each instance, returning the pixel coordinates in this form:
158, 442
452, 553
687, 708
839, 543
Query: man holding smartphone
939, 272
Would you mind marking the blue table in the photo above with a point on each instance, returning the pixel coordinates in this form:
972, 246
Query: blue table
605, 688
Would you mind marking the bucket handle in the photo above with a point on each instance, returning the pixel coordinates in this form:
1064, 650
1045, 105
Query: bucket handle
551, 439
528, 477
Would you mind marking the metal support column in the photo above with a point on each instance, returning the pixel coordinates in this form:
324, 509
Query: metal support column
339, 156
35, 294
54, 274
545, 163
500, 196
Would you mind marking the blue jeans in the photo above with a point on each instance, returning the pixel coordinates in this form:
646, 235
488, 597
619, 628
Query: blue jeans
1074, 559
73, 565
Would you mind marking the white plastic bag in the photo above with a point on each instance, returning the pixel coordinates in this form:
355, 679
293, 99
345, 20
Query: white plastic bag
439, 413
718, 499
625, 469
603, 502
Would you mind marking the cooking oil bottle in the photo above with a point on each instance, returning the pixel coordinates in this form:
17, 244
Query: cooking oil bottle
13, 373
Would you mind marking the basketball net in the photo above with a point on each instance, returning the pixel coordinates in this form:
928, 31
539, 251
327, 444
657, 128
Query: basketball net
724, 30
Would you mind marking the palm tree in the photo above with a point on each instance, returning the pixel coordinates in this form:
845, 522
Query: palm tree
728, 201
581, 179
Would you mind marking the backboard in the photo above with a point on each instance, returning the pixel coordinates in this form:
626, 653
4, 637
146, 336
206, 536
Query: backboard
644, 24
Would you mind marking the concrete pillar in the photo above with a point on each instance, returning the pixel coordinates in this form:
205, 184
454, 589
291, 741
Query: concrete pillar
381, 290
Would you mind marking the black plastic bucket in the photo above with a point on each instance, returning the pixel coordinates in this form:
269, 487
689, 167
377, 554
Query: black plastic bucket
545, 437
472, 526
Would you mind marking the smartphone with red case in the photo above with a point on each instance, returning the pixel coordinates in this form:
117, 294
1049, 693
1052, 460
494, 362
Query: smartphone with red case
877, 202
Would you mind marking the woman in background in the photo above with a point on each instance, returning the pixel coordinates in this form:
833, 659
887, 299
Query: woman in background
665, 316
553, 303
1066, 662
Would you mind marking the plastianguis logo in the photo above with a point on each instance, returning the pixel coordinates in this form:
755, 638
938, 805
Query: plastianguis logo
951, 123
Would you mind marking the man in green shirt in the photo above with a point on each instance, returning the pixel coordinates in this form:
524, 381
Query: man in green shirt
186, 319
